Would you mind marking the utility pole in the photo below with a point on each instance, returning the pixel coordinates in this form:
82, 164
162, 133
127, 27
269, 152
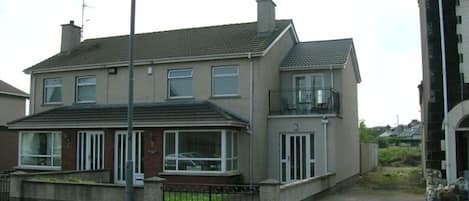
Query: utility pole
129, 179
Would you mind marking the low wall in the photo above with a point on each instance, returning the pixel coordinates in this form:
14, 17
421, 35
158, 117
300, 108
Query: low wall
61, 191
368, 157
305, 189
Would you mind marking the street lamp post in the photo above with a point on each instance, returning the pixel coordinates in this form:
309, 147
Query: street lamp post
129, 179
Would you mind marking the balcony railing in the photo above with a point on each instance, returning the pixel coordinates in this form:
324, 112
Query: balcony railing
304, 101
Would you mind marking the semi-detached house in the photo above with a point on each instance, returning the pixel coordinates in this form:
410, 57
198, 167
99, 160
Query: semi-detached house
233, 103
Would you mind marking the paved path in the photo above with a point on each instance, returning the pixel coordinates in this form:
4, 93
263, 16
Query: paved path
359, 193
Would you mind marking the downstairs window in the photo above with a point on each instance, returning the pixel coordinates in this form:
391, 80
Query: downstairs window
40, 149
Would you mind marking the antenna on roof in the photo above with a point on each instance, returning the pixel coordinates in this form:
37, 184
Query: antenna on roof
83, 5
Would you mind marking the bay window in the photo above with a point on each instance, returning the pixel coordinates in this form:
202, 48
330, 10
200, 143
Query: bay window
40, 149
200, 151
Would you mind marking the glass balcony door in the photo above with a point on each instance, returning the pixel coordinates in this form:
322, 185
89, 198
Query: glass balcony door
309, 91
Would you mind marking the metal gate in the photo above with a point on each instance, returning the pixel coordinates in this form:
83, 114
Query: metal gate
4, 188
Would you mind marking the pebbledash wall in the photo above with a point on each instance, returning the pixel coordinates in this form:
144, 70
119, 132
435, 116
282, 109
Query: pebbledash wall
152, 161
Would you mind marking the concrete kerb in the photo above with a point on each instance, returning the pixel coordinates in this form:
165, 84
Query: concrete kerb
153, 189
269, 190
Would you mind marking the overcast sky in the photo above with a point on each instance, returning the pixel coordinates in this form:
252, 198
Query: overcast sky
386, 36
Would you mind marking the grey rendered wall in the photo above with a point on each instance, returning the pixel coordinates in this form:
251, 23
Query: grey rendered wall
11, 108
112, 89
347, 138
266, 77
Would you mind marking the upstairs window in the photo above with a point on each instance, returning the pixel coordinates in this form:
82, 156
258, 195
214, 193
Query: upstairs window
86, 90
180, 83
225, 81
52, 91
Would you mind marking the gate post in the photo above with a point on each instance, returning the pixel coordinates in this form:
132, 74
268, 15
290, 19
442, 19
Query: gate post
269, 190
153, 189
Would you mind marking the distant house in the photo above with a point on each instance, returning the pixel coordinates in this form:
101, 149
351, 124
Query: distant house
231, 103
12, 106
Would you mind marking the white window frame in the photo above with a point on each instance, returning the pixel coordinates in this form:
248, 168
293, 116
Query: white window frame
223, 157
138, 141
77, 85
47, 86
39, 167
83, 138
295, 76
224, 75
310, 158
169, 78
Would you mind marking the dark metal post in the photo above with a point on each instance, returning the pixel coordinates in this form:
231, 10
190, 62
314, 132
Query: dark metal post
129, 179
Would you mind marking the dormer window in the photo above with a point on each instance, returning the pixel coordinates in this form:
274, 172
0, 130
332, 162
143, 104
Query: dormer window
53, 91
86, 89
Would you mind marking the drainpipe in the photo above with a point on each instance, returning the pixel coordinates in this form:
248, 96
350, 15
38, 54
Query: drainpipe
449, 178
332, 88
251, 113
324, 122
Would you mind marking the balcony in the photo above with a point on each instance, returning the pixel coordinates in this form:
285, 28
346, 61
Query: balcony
304, 102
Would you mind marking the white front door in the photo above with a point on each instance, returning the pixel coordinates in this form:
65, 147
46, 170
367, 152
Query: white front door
297, 157
120, 156
90, 150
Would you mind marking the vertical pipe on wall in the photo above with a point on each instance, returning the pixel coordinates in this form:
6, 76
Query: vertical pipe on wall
251, 115
324, 122
449, 177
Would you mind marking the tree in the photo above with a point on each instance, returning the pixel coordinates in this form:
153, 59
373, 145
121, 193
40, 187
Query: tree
364, 137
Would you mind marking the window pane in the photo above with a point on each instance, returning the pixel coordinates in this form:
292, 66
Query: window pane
170, 164
199, 145
283, 144
311, 147
170, 142
36, 144
235, 164
196, 165
52, 82
229, 165
87, 93
53, 94
57, 161
57, 144
87, 81
225, 85
180, 87
229, 142
284, 172
225, 70
235, 144
39, 161
180, 73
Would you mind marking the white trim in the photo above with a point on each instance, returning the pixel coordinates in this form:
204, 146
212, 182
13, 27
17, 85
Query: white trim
46, 87
313, 67
227, 75
14, 94
89, 161
222, 158
290, 26
121, 158
51, 156
77, 85
302, 116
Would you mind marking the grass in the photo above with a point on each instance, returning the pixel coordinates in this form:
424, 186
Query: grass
400, 156
408, 179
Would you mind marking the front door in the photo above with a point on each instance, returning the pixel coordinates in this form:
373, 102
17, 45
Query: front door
90, 150
297, 157
120, 156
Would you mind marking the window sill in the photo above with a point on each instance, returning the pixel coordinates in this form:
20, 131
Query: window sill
226, 97
45, 168
180, 98
204, 174
85, 102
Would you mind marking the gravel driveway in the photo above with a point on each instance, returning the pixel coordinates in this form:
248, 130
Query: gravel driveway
359, 193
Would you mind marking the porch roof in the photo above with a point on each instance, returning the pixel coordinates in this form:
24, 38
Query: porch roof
164, 114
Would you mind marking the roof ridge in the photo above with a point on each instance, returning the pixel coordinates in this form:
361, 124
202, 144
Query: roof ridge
178, 29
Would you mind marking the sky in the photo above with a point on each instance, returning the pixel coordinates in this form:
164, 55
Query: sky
386, 36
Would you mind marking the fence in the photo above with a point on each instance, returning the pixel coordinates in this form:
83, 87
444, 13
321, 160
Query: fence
4, 188
198, 192
368, 157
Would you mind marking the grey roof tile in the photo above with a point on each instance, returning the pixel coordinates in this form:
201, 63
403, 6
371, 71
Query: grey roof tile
6, 88
213, 40
165, 114
317, 53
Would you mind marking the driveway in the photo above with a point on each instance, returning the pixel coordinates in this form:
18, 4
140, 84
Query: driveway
360, 193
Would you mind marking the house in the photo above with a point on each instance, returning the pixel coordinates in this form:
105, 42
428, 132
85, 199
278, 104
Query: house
445, 145
234, 103
12, 106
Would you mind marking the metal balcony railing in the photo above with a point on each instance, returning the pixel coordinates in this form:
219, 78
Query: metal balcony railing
304, 101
